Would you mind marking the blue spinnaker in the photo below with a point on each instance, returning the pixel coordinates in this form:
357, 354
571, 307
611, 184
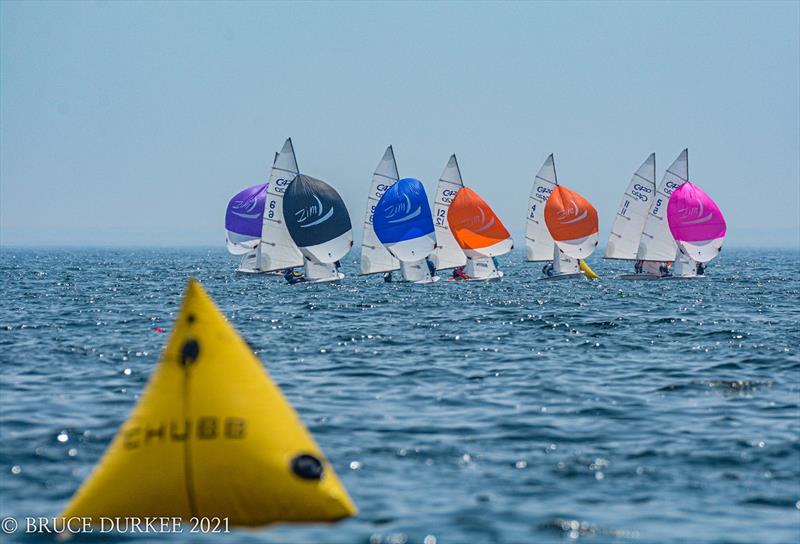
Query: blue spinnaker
403, 220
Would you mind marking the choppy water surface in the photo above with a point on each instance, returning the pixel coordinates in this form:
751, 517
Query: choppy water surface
518, 411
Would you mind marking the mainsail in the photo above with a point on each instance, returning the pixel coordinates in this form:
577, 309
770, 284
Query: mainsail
572, 222
476, 228
374, 256
657, 243
696, 222
538, 241
623, 243
278, 251
448, 253
244, 219
403, 221
317, 219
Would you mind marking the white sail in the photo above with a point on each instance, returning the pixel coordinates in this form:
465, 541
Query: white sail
448, 253
657, 243
250, 262
563, 263
538, 242
374, 256
278, 251
623, 243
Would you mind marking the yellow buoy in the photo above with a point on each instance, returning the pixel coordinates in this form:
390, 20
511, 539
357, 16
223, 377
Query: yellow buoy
588, 272
212, 435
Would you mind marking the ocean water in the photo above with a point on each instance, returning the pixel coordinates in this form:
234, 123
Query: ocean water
518, 411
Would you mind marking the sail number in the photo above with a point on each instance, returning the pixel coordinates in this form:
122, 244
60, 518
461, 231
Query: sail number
657, 206
440, 217
271, 212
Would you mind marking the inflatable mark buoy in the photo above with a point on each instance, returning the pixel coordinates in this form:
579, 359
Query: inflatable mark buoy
212, 435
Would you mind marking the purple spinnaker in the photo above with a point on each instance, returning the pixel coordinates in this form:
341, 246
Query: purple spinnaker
244, 219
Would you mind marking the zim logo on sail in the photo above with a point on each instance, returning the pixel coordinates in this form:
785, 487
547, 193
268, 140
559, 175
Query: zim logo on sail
312, 214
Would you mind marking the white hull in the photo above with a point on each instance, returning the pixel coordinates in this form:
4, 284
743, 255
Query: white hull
695, 277
497, 276
255, 271
481, 269
416, 271
317, 272
640, 277
332, 279
566, 276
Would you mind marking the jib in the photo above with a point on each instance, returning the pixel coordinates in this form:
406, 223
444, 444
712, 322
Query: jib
205, 428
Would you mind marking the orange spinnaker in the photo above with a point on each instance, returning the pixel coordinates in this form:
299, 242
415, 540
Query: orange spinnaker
473, 223
569, 216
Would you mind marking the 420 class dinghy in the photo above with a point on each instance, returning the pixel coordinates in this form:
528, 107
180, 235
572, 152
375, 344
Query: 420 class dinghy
698, 227
626, 236
561, 227
480, 234
404, 225
319, 224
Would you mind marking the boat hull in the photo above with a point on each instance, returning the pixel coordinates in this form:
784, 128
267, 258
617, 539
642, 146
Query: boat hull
570, 276
640, 277
333, 279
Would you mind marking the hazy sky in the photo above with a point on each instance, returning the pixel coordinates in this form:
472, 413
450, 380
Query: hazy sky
135, 123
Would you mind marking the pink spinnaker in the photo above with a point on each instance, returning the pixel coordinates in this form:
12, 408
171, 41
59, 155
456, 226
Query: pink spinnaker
695, 222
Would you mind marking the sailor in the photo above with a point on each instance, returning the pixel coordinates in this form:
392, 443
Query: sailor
664, 269
292, 276
459, 274
387, 276
496, 263
701, 269
638, 266
547, 269
431, 266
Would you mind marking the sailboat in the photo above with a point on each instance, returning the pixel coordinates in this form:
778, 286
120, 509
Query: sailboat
375, 258
480, 234
626, 232
448, 254
563, 231
697, 225
244, 219
278, 250
319, 224
657, 246
404, 225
